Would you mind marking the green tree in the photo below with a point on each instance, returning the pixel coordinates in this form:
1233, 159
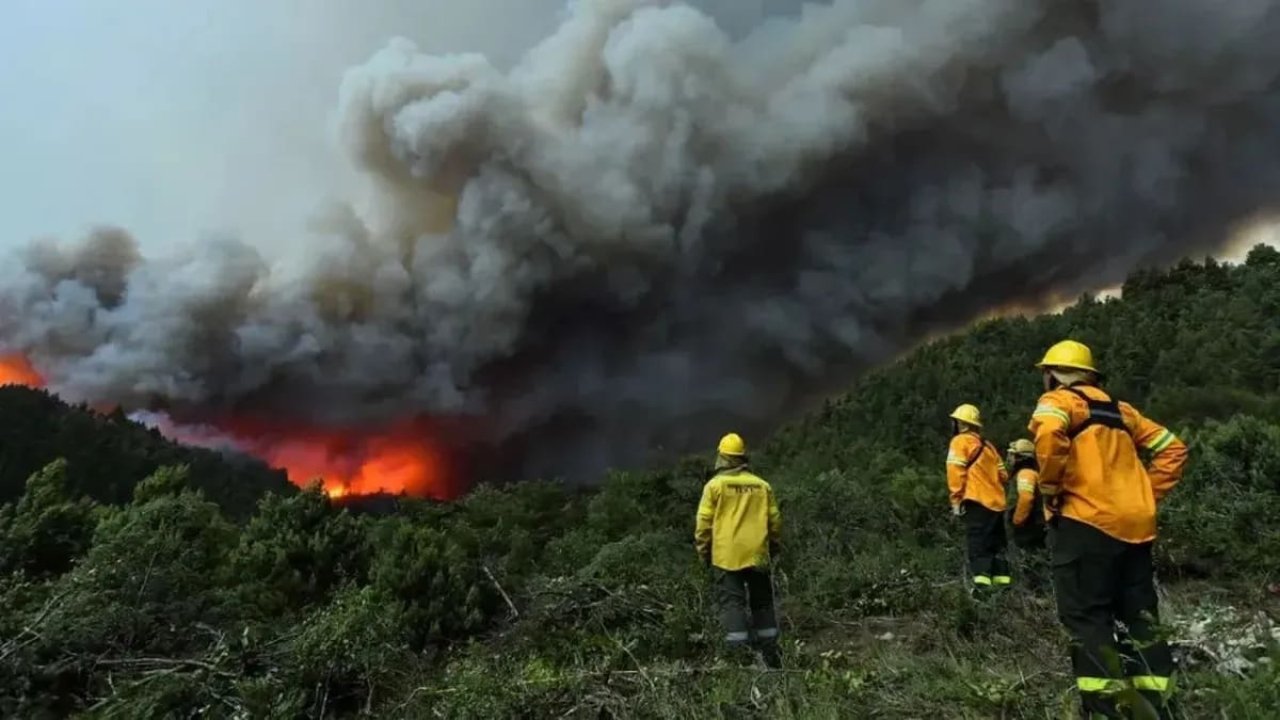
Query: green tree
47, 530
152, 576
295, 551
442, 588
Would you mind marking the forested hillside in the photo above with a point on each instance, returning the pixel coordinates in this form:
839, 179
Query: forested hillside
108, 454
1198, 343
538, 601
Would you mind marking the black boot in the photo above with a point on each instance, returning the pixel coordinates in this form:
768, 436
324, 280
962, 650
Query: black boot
772, 655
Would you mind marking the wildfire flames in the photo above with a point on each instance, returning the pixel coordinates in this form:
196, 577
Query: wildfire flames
395, 459
399, 459
15, 370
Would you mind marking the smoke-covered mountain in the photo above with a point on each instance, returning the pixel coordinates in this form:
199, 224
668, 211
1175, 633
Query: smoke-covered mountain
649, 230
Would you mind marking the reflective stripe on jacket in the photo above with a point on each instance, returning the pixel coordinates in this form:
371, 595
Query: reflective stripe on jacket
738, 518
975, 471
1026, 479
1098, 473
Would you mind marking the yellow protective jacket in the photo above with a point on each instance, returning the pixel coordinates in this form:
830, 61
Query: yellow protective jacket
975, 471
1087, 445
1026, 479
738, 519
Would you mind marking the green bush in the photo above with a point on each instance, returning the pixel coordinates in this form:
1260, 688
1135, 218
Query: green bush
151, 577
1223, 520
47, 530
295, 551
354, 649
442, 590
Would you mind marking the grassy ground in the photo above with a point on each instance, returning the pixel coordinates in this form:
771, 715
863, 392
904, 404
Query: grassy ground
955, 657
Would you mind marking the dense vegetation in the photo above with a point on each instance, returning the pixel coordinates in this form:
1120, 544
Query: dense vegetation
540, 601
108, 454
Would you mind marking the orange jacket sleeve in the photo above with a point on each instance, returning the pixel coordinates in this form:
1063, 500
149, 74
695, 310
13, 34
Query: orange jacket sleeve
1049, 423
1026, 495
1168, 454
957, 466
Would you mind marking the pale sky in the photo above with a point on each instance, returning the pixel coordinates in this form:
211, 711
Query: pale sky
173, 119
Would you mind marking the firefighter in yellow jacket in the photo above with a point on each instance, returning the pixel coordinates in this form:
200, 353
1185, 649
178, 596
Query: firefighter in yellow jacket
736, 533
976, 477
1103, 502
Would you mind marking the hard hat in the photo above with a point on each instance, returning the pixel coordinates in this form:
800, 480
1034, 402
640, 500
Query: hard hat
732, 445
1069, 354
968, 414
1022, 446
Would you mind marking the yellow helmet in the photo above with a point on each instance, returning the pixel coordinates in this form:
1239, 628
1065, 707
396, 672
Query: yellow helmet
968, 414
732, 445
1069, 354
1022, 446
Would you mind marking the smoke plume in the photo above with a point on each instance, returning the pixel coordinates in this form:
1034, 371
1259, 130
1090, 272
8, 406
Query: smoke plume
649, 231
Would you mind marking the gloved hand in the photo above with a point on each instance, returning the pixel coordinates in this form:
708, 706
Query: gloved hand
1053, 503
957, 510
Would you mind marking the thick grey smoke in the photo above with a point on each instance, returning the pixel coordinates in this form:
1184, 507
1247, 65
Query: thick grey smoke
650, 231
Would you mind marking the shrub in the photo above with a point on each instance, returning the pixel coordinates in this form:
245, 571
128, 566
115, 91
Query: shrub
46, 531
295, 551
1224, 518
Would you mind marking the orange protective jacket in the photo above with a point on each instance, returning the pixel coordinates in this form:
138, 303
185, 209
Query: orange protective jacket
975, 471
1026, 479
1087, 448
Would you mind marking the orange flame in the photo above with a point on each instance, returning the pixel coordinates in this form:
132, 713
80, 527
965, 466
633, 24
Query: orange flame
399, 459
16, 370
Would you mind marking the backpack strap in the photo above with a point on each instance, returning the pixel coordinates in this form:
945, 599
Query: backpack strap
978, 453
1101, 412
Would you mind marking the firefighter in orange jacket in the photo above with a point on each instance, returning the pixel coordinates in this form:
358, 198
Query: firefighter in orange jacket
1028, 517
1103, 503
976, 477
736, 532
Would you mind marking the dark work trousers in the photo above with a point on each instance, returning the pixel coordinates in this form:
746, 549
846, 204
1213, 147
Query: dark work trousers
1032, 541
1098, 581
986, 545
745, 598
1034, 572
1031, 535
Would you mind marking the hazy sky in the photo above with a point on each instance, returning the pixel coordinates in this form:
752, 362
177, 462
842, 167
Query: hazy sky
177, 118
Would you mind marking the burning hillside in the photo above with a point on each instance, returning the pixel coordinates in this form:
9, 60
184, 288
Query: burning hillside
15, 370
647, 232
396, 459
399, 458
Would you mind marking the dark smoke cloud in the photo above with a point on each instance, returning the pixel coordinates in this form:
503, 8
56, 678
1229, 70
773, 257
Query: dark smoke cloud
650, 231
